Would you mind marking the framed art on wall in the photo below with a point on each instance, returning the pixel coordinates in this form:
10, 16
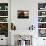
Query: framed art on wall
23, 14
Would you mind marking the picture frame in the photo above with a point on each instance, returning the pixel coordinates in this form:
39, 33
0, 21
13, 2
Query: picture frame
42, 32
23, 14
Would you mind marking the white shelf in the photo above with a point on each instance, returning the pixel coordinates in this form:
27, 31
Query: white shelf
41, 28
41, 10
41, 22
3, 16
42, 16
3, 10
3, 22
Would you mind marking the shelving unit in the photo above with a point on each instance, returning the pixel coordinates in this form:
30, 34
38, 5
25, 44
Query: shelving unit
41, 28
41, 10
42, 19
3, 10
41, 16
4, 19
3, 16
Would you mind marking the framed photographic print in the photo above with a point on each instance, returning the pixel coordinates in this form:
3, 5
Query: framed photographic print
23, 14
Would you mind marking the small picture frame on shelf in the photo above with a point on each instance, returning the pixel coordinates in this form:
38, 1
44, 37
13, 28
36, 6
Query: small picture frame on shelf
3, 19
4, 29
3, 26
41, 19
6, 7
3, 6
41, 25
23, 14
3, 13
41, 13
41, 6
42, 32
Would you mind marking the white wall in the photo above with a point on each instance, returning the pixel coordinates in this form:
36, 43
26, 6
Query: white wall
23, 24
